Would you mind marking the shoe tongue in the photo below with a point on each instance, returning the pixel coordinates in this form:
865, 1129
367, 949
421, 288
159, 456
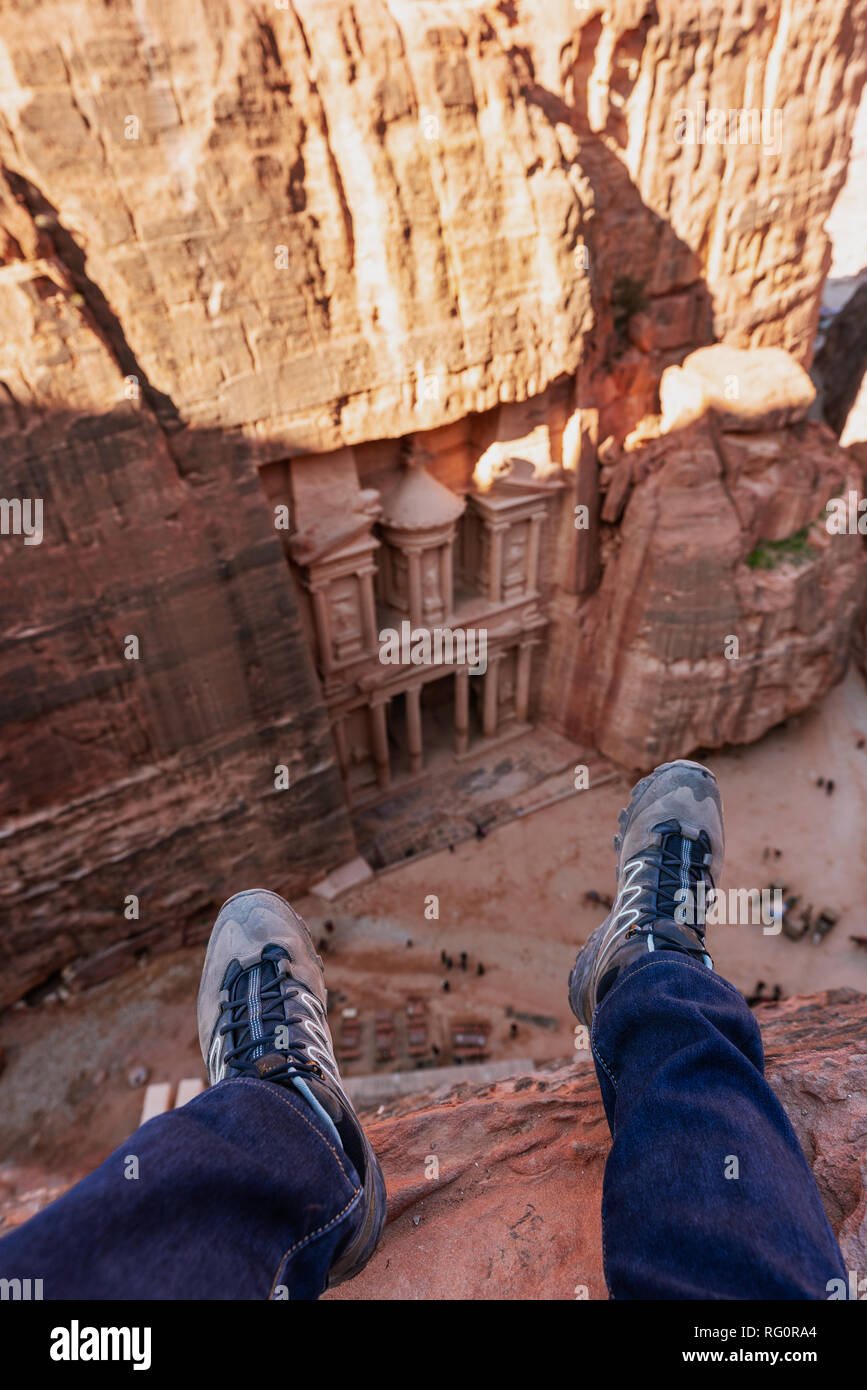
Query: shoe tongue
245, 987
270, 1063
692, 869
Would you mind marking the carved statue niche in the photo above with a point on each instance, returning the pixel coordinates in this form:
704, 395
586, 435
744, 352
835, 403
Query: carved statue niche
506, 686
345, 618
515, 576
432, 605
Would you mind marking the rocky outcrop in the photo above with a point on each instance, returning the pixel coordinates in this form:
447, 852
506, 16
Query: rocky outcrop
724, 604
520, 1166
745, 391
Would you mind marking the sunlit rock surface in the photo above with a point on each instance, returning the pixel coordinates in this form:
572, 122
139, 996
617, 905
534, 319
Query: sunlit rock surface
235, 234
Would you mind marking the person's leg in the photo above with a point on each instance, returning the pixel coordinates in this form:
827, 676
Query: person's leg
263, 1186
239, 1194
707, 1193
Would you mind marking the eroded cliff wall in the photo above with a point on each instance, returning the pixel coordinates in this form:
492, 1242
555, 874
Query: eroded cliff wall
233, 233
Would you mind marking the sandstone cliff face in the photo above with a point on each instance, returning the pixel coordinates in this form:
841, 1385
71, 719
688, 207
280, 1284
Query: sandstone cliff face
141, 773
724, 606
430, 171
320, 202
234, 234
515, 1211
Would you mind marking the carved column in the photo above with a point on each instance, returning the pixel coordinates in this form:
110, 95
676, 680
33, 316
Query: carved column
496, 565
413, 560
490, 708
462, 711
413, 727
323, 629
533, 554
522, 681
447, 582
368, 611
379, 737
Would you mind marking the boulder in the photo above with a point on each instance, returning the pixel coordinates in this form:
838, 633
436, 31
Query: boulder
759, 389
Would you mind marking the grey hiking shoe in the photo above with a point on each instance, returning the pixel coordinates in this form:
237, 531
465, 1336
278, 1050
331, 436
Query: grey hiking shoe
262, 1014
669, 842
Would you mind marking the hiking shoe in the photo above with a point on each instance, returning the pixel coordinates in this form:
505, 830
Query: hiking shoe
670, 847
263, 1014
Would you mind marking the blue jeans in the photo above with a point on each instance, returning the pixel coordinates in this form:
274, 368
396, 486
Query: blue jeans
707, 1193
242, 1194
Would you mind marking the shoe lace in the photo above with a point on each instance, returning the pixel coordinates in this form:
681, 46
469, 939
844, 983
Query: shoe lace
676, 869
253, 1017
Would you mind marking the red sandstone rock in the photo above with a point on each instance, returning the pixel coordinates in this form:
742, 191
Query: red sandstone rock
653, 673
231, 243
515, 1211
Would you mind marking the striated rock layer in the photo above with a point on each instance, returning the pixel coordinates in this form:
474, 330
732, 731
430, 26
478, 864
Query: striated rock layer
236, 234
138, 782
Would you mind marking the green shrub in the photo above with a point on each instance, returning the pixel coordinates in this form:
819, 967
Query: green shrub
768, 554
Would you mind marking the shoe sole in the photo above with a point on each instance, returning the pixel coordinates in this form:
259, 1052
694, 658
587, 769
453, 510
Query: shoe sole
363, 1247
